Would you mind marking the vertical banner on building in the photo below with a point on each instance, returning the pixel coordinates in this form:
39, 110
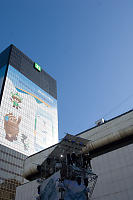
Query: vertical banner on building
28, 115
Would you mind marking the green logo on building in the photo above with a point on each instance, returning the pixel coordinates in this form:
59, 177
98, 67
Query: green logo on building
38, 67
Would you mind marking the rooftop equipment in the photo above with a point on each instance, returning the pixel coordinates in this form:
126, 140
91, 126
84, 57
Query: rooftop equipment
100, 121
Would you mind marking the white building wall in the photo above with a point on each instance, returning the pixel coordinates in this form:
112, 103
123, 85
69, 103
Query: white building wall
114, 169
115, 175
27, 191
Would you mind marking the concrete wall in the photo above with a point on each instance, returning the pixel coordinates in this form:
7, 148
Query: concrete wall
115, 169
28, 191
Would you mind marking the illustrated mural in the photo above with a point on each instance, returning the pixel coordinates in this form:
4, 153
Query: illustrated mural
11, 126
16, 99
28, 115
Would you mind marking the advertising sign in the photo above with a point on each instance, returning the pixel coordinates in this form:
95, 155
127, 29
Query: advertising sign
28, 115
37, 67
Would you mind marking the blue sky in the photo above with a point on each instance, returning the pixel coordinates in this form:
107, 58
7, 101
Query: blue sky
86, 45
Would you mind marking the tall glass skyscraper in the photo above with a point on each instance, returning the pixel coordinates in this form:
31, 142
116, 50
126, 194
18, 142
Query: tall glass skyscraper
28, 115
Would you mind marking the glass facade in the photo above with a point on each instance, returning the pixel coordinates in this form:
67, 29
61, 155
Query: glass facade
11, 169
28, 115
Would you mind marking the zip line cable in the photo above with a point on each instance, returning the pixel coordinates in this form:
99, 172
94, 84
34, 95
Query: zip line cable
113, 109
118, 105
